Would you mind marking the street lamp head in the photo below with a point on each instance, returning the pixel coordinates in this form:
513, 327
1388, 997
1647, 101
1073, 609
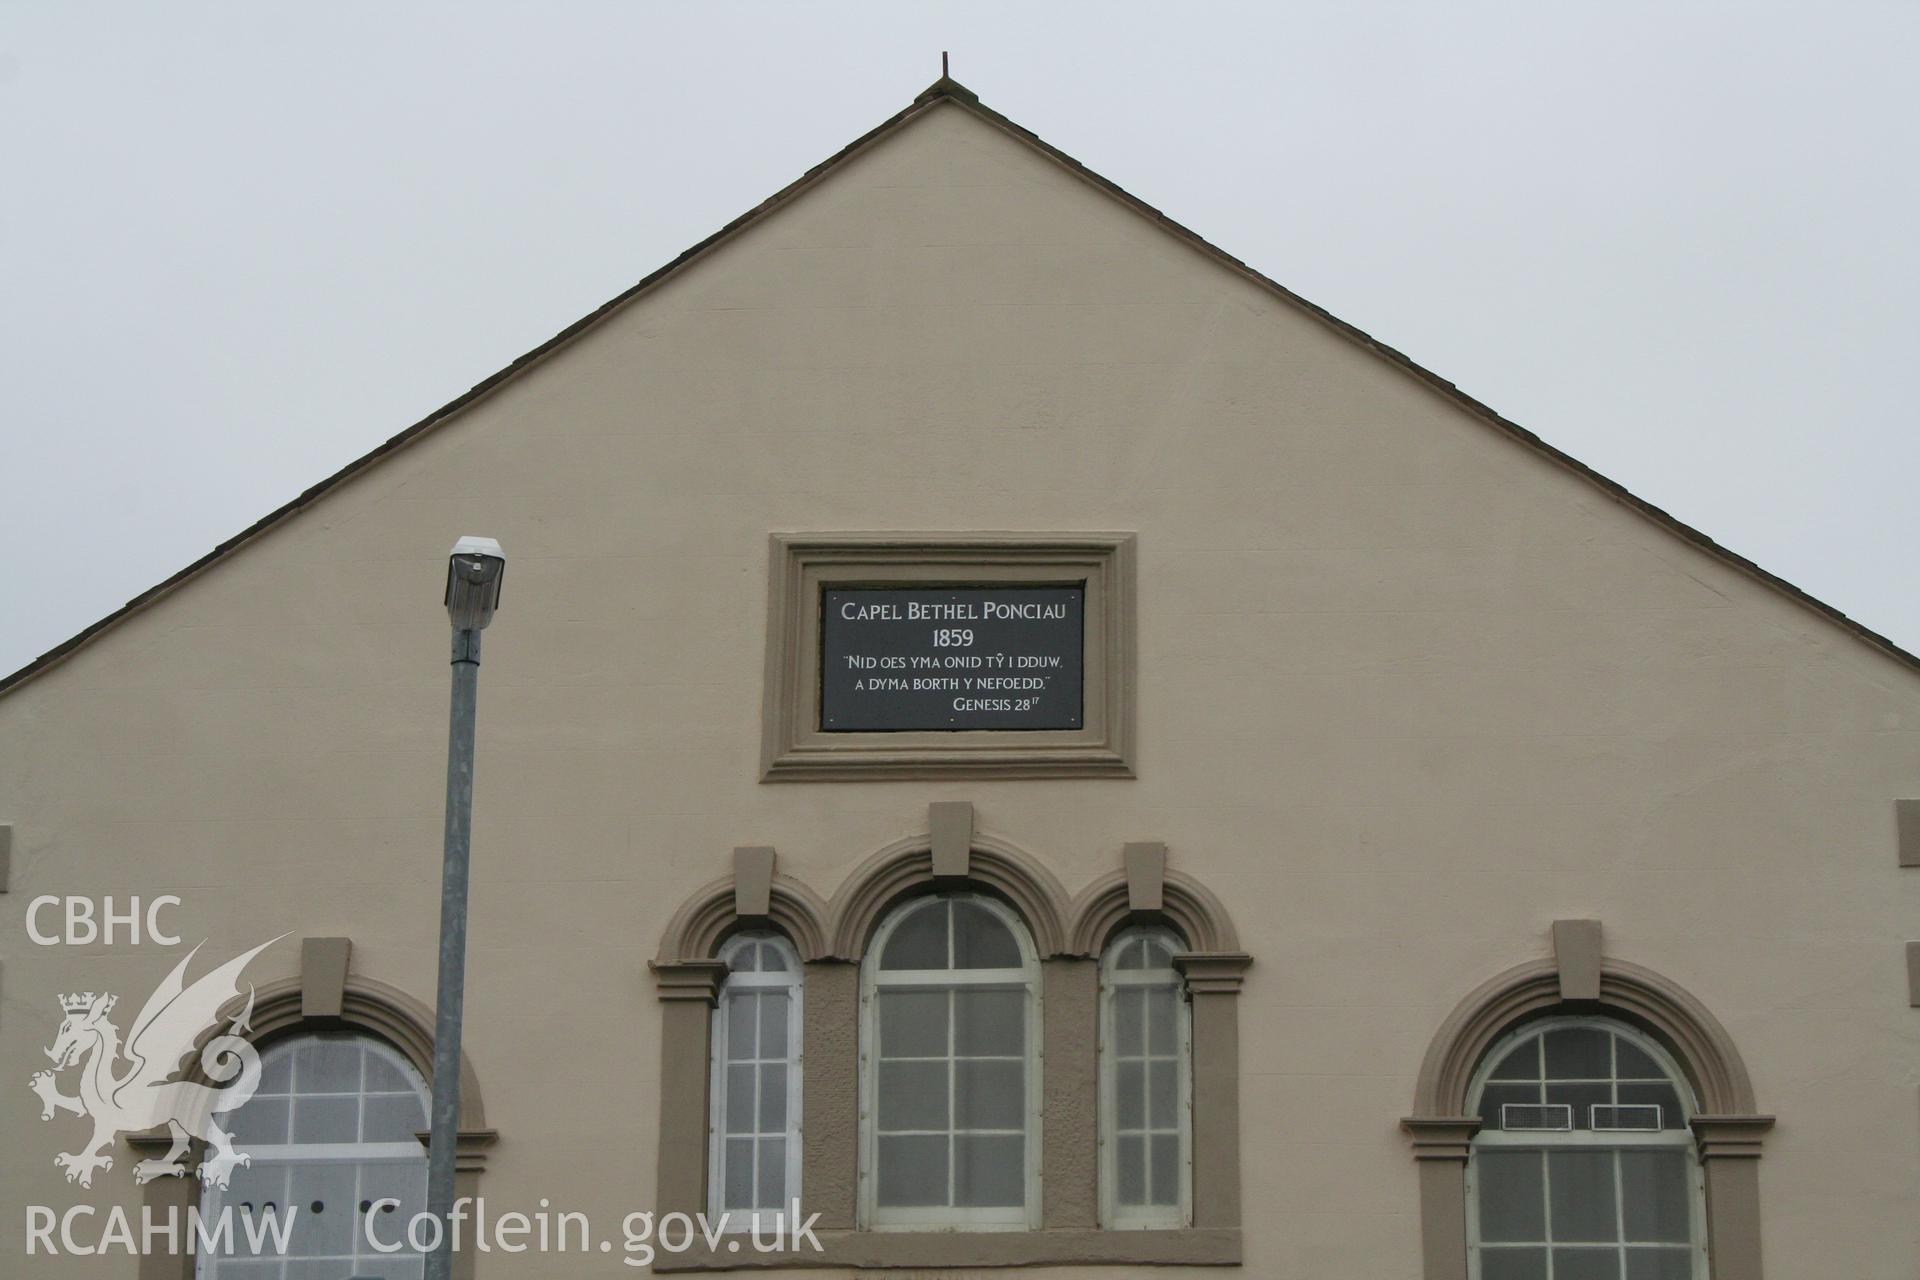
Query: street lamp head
474, 570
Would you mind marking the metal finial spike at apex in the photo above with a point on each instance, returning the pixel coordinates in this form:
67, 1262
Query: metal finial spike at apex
943, 64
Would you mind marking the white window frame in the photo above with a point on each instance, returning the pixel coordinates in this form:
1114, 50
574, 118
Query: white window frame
207, 1266
793, 981
1609, 1140
872, 984
1113, 1214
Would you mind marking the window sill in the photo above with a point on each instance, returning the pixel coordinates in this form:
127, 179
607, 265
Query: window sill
1194, 1247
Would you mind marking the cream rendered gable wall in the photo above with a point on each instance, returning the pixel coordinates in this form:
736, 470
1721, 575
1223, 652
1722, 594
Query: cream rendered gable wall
1408, 692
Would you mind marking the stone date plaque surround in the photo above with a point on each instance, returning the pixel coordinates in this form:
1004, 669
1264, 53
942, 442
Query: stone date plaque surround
893, 655
951, 659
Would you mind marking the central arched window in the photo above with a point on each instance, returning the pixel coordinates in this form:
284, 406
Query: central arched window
1584, 1167
331, 1132
950, 1094
756, 1082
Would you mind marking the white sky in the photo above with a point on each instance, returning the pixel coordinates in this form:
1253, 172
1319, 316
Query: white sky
242, 244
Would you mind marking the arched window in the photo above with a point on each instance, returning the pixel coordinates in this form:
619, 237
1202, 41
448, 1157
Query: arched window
1583, 1168
331, 1132
949, 1066
1144, 1085
756, 1081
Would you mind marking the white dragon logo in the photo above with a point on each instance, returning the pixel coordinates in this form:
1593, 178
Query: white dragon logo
145, 1096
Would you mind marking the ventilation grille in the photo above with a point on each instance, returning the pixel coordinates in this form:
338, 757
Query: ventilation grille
1555, 1116
1636, 1118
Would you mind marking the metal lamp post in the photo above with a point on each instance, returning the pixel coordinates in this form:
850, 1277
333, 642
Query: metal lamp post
474, 571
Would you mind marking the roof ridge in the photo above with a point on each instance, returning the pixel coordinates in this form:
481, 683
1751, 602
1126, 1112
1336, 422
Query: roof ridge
947, 89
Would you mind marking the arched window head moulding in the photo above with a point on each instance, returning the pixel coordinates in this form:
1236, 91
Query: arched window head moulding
1061, 925
1186, 906
905, 868
384, 1012
1704, 1050
708, 918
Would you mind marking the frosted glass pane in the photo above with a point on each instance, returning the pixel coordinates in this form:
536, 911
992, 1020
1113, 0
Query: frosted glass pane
1654, 1195
913, 1095
324, 1196
391, 1224
261, 1120
989, 1172
1659, 1264
919, 941
1511, 1196
990, 1095
771, 959
1131, 1158
990, 1023
276, 1072
1163, 1092
1586, 1264
1579, 1053
1633, 1062
384, 1077
746, 959
1130, 1093
913, 1170
1660, 1095
251, 1193
1513, 1264
1495, 1096
740, 1098
773, 1173
403, 1180
773, 1024
1580, 1188
394, 1118
1129, 1017
1521, 1063
1162, 1014
325, 1268
326, 1119
1582, 1098
773, 1098
741, 1008
739, 1173
913, 1024
981, 940
328, 1066
1166, 1169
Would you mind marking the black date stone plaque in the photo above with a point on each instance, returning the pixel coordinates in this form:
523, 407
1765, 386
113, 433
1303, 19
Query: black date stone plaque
896, 659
